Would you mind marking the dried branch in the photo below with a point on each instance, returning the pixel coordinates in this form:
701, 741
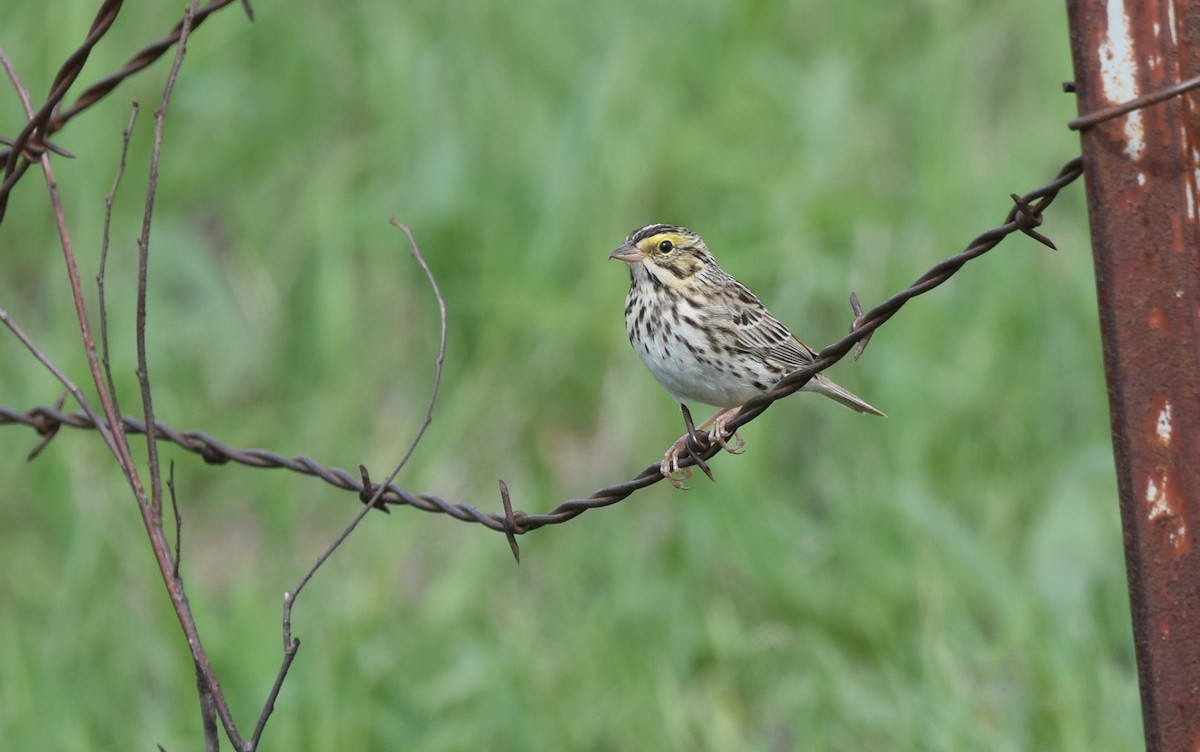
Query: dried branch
101, 302
76, 293
116, 439
211, 698
370, 494
143, 244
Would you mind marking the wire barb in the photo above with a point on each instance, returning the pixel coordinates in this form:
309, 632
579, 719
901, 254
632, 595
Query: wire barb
511, 526
35, 147
1028, 217
695, 444
370, 492
48, 429
855, 306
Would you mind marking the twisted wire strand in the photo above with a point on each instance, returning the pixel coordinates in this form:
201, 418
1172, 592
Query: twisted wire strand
1025, 217
33, 139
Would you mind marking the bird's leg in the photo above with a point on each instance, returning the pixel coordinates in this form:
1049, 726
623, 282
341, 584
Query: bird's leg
692, 443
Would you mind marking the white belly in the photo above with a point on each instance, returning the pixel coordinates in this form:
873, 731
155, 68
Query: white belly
697, 373
690, 380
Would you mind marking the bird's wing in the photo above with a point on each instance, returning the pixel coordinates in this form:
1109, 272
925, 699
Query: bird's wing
757, 331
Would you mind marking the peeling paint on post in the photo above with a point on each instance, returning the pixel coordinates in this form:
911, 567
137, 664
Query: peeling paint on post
1142, 172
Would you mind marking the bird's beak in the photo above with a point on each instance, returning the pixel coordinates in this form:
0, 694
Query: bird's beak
627, 253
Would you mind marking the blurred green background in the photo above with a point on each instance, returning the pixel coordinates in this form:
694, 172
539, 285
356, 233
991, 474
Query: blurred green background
948, 578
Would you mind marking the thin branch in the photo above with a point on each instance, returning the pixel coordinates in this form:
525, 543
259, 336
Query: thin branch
143, 243
102, 303
151, 509
58, 373
116, 443
123, 458
441, 353
116, 439
22, 92
371, 494
374, 493
289, 655
178, 519
208, 713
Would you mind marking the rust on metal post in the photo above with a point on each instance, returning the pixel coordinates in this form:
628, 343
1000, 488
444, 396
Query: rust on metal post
1142, 171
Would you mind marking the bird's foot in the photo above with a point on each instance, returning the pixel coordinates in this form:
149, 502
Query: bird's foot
670, 468
692, 444
720, 435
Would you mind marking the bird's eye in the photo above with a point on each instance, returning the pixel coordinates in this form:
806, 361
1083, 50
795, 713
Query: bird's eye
665, 246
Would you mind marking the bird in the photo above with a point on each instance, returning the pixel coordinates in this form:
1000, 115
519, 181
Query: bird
706, 337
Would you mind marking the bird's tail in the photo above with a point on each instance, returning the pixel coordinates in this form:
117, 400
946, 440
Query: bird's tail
823, 385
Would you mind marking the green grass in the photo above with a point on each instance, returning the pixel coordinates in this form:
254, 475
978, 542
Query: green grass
948, 578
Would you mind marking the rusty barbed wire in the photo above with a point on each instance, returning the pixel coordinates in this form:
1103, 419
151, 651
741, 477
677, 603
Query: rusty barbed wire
1024, 217
33, 139
1083, 122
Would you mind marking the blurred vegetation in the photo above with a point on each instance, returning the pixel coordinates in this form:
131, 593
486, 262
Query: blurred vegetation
948, 578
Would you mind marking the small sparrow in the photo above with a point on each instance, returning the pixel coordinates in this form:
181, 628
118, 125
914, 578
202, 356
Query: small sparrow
705, 336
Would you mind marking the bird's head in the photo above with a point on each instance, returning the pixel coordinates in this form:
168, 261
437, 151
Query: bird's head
669, 255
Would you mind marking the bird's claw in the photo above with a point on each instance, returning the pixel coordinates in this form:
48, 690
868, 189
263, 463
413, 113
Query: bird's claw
693, 443
671, 470
689, 445
737, 447
720, 435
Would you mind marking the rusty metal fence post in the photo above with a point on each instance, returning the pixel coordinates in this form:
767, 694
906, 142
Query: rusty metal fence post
1143, 187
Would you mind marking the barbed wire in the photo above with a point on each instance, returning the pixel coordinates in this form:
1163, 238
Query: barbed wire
1025, 217
34, 139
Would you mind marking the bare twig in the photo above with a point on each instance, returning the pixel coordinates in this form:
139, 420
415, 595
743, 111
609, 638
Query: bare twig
208, 712
116, 439
115, 444
59, 374
211, 698
376, 492
143, 243
101, 302
178, 518
22, 94
441, 353
370, 493
289, 655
